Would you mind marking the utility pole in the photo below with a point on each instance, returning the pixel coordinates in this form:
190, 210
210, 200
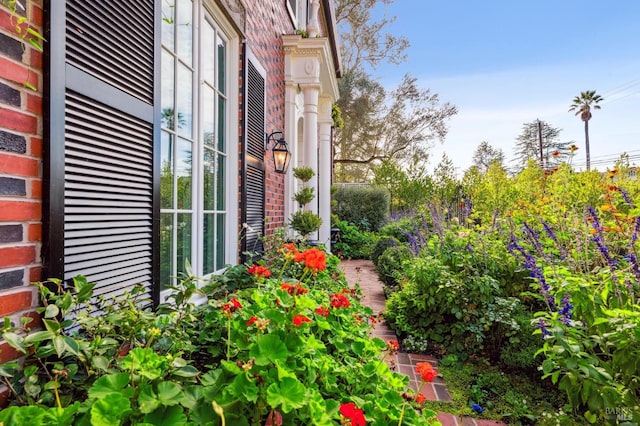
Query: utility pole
540, 143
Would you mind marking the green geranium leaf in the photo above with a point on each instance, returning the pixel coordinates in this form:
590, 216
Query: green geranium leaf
147, 400
231, 367
167, 416
110, 410
269, 348
241, 386
289, 394
145, 362
21, 415
191, 397
109, 384
61, 416
169, 393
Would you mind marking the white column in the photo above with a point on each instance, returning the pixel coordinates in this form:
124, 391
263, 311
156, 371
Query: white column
324, 170
313, 27
311, 92
291, 136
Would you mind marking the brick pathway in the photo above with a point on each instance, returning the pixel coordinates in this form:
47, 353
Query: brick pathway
364, 273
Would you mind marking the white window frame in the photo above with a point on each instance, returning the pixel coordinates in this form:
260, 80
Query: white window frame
209, 11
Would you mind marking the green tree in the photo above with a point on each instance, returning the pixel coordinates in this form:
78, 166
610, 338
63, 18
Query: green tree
408, 188
528, 145
582, 105
485, 155
444, 178
379, 124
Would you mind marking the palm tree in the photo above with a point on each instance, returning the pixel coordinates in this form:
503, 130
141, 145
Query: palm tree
582, 105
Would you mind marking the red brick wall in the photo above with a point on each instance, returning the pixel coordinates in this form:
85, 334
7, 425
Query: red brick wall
266, 22
20, 168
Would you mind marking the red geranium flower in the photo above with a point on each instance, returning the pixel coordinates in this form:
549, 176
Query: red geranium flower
294, 289
252, 320
322, 311
232, 306
339, 300
426, 371
353, 413
314, 259
420, 398
259, 271
298, 320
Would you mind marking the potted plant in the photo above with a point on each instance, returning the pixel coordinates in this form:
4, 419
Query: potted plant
304, 221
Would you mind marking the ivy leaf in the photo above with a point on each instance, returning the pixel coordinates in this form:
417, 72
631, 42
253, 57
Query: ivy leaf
110, 410
289, 395
38, 336
186, 371
15, 341
52, 311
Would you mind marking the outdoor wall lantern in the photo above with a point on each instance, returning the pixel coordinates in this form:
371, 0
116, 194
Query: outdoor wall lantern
281, 154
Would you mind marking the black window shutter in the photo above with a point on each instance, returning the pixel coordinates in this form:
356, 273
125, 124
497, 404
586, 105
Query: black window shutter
253, 199
101, 205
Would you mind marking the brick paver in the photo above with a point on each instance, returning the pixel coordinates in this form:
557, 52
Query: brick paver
363, 273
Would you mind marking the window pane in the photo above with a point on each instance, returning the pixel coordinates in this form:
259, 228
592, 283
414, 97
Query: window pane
221, 181
221, 123
184, 173
208, 115
168, 80
220, 242
166, 250
166, 171
209, 235
222, 66
185, 31
168, 24
208, 57
208, 171
183, 250
185, 101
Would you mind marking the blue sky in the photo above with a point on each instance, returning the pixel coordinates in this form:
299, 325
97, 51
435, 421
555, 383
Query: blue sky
505, 63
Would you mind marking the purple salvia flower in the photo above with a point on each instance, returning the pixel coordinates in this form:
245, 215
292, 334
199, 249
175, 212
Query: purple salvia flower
598, 238
534, 239
595, 221
494, 219
566, 310
543, 327
551, 234
636, 230
534, 270
633, 262
626, 197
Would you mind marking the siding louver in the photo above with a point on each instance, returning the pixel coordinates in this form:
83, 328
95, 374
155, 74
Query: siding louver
110, 40
108, 208
254, 169
101, 165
